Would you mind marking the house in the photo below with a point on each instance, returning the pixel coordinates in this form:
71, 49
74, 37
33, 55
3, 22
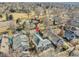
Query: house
41, 44
21, 42
75, 22
69, 35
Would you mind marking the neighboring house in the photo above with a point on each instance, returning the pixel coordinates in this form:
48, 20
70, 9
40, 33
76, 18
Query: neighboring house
75, 22
77, 32
21, 42
41, 44
69, 35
